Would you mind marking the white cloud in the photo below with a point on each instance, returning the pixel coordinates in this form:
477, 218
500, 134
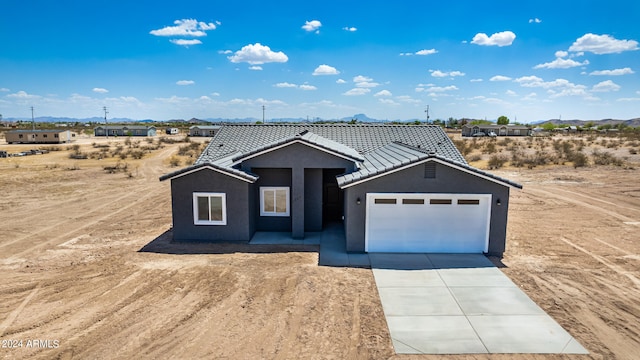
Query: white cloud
226, 52
383, 93
340, 81
22, 95
185, 27
476, 80
100, 90
511, 93
535, 20
256, 54
438, 73
441, 89
361, 78
408, 99
255, 68
325, 70
4, 90
560, 63
184, 42
285, 85
367, 84
388, 102
426, 52
307, 87
603, 44
185, 82
530, 96
350, 29
561, 53
313, 25
357, 91
215, 94
500, 78
504, 38
605, 86
614, 72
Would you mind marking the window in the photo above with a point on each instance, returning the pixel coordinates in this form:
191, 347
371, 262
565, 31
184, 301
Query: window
468, 202
384, 201
44, 135
209, 209
274, 201
440, 201
413, 201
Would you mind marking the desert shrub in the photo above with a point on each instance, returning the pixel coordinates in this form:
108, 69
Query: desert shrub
474, 157
579, 159
174, 161
633, 151
136, 154
52, 148
505, 141
73, 168
497, 161
123, 155
490, 147
127, 141
461, 145
78, 155
606, 158
149, 140
118, 167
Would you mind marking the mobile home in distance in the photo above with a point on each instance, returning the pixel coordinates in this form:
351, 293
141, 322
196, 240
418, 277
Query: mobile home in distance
132, 130
52, 136
203, 130
172, 131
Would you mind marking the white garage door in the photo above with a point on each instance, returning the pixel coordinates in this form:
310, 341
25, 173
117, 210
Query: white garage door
436, 223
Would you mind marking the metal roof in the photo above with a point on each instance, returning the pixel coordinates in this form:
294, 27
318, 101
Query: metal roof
377, 149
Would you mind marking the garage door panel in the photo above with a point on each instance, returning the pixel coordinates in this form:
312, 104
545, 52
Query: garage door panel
454, 223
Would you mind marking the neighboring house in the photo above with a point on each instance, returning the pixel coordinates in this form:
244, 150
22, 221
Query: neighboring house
500, 130
54, 136
402, 188
127, 130
172, 131
204, 130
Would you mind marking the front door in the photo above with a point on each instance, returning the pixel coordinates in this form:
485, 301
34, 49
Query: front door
332, 196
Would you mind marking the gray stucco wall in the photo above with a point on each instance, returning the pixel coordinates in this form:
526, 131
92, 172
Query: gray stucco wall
271, 177
296, 157
448, 180
313, 200
239, 225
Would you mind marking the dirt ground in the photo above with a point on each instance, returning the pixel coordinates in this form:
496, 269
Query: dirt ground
88, 271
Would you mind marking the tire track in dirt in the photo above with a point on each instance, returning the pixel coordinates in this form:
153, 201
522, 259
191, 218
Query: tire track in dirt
12, 317
591, 197
606, 263
550, 194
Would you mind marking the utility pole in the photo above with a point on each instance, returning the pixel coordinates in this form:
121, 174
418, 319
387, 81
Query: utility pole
427, 111
263, 113
33, 120
106, 129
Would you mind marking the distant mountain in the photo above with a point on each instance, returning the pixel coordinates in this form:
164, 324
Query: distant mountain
631, 122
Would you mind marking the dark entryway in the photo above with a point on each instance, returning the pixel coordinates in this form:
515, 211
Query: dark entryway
332, 196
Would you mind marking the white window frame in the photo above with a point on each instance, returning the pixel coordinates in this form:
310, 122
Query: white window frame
274, 189
208, 195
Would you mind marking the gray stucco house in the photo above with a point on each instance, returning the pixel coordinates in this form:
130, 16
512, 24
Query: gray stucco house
395, 188
126, 130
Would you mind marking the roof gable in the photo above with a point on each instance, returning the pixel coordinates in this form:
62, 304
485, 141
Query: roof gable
397, 156
309, 139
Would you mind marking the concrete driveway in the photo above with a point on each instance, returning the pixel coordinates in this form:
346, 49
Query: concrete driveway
461, 303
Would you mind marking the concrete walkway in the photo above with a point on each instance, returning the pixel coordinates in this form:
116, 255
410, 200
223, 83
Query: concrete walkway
459, 304
445, 303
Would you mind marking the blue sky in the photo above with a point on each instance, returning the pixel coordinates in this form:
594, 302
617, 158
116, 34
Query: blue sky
388, 59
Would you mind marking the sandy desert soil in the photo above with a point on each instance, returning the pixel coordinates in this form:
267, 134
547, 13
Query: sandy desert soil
87, 270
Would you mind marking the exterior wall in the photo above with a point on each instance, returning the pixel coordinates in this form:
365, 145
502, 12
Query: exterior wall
448, 180
297, 157
467, 130
313, 199
203, 131
238, 193
271, 177
38, 137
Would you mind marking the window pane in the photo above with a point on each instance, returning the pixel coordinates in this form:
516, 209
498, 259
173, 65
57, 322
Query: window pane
384, 201
281, 201
216, 208
203, 208
269, 198
440, 201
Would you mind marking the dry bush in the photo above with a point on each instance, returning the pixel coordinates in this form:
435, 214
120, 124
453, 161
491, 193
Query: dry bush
118, 167
174, 161
579, 159
606, 158
497, 161
490, 147
475, 157
633, 151
136, 154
